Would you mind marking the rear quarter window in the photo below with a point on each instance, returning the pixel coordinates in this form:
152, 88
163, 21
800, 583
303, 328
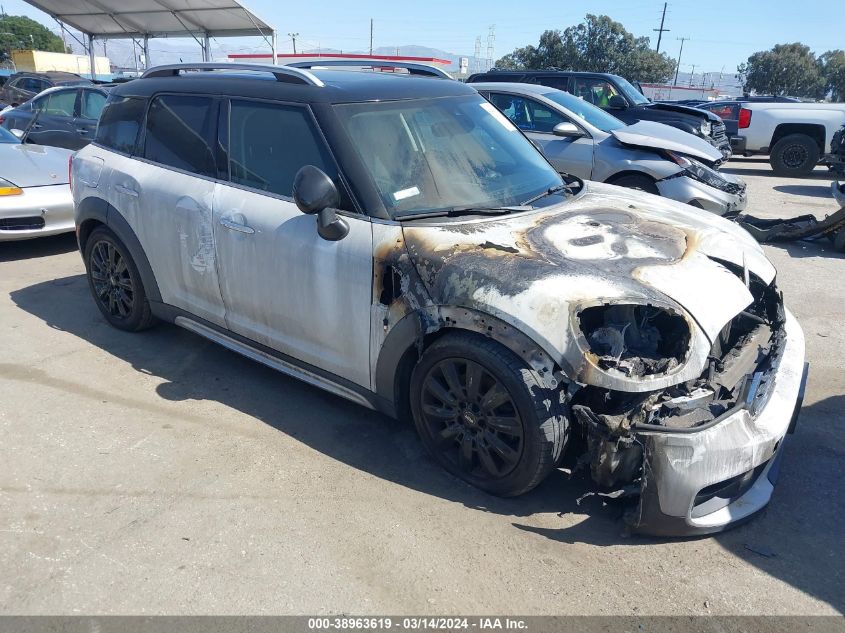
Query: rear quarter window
180, 133
120, 123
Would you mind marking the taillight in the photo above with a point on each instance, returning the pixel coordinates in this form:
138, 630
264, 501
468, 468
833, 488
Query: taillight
70, 172
2, 120
744, 118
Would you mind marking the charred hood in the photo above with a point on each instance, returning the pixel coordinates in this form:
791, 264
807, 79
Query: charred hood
539, 270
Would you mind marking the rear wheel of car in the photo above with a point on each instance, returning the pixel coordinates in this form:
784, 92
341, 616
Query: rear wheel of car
794, 155
485, 415
638, 182
115, 282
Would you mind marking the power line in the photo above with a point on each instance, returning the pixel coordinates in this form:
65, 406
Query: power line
661, 30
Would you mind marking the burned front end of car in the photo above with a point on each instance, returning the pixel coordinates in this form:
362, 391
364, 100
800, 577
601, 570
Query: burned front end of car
702, 454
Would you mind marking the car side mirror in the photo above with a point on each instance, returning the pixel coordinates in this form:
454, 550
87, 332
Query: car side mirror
568, 130
617, 102
315, 193
18, 133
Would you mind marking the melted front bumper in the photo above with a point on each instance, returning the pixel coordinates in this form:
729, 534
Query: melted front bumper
706, 479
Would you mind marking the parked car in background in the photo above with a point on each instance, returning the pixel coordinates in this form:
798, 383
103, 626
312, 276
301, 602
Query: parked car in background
796, 136
624, 101
397, 241
65, 116
581, 139
35, 198
767, 99
23, 86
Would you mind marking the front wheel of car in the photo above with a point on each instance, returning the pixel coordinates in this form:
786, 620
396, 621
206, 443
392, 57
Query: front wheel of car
485, 415
115, 282
794, 155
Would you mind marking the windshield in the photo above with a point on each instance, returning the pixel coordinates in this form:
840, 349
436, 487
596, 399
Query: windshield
632, 94
445, 153
7, 137
591, 114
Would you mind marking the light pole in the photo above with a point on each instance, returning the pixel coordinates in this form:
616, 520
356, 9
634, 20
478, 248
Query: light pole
293, 36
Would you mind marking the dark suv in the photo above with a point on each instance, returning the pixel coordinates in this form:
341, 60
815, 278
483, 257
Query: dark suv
22, 87
616, 94
397, 241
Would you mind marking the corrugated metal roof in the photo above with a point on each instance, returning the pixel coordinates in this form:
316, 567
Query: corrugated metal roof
156, 18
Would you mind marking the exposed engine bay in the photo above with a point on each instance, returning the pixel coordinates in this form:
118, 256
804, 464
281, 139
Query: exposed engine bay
646, 339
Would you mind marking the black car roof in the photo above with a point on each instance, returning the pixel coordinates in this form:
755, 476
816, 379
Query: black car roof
340, 86
54, 75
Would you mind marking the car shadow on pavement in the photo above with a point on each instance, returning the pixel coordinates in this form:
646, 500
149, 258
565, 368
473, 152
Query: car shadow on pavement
41, 247
814, 191
797, 539
819, 247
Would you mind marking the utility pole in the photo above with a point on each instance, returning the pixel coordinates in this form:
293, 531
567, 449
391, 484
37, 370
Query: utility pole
491, 38
371, 37
692, 76
293, 37
661, 30
678, 67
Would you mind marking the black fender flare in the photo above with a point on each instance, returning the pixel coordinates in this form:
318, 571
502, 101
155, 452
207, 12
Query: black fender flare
409, 337
92, 211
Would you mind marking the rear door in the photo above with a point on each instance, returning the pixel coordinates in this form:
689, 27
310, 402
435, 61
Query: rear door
91, 103
53, 119
568, 155
172, 184
283, 285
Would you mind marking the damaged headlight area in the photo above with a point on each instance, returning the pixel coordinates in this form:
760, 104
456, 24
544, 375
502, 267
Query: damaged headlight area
636, 340
739, 374
699, 171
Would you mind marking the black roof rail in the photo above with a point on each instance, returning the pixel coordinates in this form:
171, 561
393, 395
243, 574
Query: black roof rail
412, 68
282, 73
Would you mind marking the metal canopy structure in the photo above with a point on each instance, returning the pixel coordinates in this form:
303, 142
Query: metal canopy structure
146, 19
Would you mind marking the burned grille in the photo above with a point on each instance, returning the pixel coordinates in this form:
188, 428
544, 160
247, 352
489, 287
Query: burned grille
29, 223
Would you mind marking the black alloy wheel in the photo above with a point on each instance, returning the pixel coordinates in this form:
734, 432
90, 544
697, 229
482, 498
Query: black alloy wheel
113, 285
472, 418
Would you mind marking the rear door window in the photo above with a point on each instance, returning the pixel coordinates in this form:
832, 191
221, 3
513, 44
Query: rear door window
269, 143
92, 104
560, 82
180, 133
120, 123
528, 115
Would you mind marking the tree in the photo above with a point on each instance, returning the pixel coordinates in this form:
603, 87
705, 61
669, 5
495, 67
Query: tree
833, 70
18, 31
598, 44
787, 69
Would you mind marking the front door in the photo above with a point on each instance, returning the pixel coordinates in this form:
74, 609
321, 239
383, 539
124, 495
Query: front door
91, 103
282, 284
567, 155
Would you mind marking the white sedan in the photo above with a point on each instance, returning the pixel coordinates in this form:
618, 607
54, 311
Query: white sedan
35, 198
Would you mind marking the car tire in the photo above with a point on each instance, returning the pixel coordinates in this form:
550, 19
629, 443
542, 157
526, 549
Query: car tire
485, 415
638, 182
794, 155
115, 282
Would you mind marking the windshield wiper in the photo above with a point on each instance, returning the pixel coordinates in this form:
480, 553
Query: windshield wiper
548, 192
458, 211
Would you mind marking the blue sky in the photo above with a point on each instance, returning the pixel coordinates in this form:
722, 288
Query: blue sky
722, 33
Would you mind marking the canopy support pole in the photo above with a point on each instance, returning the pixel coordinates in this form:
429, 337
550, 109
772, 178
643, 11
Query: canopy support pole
275, 50
206, 47
147, 63
91, 56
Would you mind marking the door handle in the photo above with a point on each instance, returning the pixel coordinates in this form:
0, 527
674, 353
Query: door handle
235, 226
82, 131
37, 126
126, 190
